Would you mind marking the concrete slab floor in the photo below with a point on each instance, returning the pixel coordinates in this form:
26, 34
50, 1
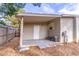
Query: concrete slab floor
41, 43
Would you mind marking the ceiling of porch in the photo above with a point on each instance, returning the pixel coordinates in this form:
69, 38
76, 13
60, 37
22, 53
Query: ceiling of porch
33, 19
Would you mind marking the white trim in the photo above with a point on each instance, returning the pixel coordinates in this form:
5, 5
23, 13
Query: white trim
38, 14
46, 15
21, 32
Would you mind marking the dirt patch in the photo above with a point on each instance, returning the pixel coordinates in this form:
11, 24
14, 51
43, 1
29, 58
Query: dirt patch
34, 51
10, 49
59, 50
14, 43
7, 51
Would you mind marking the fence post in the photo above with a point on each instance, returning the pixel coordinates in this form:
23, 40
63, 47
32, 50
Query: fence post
7, 34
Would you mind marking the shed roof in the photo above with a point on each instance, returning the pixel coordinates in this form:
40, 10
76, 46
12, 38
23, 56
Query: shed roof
37, 17
48, 15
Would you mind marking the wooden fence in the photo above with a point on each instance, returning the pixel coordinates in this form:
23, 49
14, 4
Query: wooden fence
6, 33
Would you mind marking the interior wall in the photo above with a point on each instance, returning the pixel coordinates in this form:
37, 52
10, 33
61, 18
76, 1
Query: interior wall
55, 31
66, 25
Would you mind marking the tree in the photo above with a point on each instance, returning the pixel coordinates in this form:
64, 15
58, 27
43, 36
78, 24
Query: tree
2, 22
9, 10
14, 21
12, 8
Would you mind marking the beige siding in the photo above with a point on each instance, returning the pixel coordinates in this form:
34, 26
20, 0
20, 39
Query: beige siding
67, 25
28, 31
58, 25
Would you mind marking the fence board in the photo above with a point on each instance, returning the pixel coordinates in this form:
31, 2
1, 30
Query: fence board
6, 33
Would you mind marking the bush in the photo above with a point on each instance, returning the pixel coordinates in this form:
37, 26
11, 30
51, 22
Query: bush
2, 22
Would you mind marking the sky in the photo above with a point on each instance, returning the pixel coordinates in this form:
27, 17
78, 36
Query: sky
53, 8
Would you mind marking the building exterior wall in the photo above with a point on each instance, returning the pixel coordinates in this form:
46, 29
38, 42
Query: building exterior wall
66, 24
74, 30
58, 25
77, 29
55, 31
28, 31
43, 31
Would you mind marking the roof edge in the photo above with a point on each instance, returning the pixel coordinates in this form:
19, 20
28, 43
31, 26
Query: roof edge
44, 14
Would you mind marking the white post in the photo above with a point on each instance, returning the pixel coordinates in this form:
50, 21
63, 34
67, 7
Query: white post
21, 32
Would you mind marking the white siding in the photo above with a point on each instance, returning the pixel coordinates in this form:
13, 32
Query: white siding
77, 29
36, 32
43, 31
67, 25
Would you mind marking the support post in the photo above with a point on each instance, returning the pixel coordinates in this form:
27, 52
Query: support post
21, 32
